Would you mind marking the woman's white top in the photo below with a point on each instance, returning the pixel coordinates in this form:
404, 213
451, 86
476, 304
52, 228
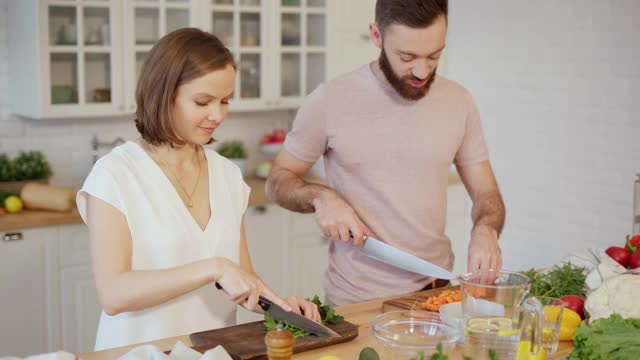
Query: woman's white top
165, 235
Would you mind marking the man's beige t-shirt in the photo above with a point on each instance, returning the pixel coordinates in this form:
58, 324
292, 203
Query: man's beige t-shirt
389, 158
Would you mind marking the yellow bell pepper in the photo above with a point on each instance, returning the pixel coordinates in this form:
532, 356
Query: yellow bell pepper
569, 323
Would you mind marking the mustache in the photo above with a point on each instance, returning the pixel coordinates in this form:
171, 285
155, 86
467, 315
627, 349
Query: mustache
415, 78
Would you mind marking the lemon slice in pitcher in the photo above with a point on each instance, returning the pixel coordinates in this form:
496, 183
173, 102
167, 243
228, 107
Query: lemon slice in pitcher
500, 325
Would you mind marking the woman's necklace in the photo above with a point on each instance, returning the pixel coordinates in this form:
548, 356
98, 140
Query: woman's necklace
189, 196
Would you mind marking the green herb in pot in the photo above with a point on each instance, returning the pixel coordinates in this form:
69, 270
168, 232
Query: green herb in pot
232, 150
7, 171
32, 165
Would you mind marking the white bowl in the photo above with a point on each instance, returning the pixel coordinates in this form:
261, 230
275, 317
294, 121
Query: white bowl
271, 149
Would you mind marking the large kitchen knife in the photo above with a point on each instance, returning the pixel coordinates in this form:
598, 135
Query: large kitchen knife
386, 253
297, 320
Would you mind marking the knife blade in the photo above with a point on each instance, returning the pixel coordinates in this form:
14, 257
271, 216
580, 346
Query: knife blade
300, 321
388, 254
297, 320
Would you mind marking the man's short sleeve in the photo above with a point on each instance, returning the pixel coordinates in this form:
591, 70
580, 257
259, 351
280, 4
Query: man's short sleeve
307, 139
473, 149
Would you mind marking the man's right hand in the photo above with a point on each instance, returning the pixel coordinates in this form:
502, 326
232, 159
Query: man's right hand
338, 220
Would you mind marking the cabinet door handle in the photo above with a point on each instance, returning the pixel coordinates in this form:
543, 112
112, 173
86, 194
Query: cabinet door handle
12, 236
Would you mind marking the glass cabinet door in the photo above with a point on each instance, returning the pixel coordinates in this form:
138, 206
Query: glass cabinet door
303, 33
239, 24
148, 21
80, 52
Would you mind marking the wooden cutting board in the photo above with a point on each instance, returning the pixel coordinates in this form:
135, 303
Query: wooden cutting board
413, 301
246, 341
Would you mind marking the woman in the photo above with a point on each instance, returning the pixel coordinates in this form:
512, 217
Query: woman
165, 216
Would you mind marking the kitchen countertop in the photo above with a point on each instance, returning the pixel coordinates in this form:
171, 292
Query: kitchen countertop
360, 314
37, 218
32, 218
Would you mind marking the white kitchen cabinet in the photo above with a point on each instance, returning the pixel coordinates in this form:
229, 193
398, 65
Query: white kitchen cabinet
265, 231
310, 255
80, 312
48, 300
350, 46
279, 45
145, 22
65, 58
82, 58
78, 299
267, 244
27, 292
301, 48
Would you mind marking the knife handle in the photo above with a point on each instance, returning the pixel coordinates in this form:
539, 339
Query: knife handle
264, 303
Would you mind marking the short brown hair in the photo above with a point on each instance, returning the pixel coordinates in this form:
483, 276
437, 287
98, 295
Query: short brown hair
411, 13
179, 57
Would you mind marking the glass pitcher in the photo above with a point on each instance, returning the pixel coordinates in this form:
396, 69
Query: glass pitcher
495, 305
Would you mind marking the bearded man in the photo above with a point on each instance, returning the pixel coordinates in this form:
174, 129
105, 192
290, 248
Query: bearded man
389, 132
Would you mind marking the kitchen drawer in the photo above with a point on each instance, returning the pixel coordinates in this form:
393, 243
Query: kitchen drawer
303, 224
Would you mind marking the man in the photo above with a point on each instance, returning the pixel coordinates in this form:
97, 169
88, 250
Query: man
389, 133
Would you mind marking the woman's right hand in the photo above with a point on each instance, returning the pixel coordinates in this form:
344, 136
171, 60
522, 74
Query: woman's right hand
244, 288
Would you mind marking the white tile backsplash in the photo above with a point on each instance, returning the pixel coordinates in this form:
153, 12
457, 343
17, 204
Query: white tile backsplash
556, 84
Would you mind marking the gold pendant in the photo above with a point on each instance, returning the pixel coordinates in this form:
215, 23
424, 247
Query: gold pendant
190, 204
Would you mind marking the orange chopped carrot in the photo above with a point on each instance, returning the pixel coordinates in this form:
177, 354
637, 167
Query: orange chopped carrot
433, 303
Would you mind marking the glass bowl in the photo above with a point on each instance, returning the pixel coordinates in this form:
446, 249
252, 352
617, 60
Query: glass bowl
407, 333
451, 314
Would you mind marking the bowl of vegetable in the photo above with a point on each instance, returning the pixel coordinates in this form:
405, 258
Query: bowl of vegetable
413, 334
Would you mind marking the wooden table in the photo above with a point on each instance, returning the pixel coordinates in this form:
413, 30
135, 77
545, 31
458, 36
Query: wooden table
360, 314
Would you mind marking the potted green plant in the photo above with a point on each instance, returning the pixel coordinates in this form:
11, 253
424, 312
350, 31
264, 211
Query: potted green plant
235, 151
26, 167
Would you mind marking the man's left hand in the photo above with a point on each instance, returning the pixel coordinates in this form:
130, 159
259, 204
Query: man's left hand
484, 251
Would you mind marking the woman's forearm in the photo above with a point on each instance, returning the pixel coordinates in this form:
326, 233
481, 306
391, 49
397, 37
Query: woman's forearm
141, 289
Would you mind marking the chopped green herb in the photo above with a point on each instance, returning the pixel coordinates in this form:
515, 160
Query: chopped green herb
327, 314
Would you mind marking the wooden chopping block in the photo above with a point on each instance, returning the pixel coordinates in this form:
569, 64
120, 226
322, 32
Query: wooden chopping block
46, 197
246, 341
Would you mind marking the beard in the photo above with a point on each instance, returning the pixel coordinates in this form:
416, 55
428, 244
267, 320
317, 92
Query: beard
401, 84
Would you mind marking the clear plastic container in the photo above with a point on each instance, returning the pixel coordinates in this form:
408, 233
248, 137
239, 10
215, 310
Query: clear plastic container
410, 334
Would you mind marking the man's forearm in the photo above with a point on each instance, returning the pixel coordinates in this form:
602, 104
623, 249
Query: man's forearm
488, 210
292, 192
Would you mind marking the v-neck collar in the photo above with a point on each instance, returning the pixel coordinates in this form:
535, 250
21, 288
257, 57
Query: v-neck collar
177, 199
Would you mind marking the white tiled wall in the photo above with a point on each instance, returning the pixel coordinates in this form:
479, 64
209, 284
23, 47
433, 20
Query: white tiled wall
557, 83
67, 143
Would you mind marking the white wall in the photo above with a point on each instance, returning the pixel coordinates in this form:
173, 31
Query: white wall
67, 143
556, 83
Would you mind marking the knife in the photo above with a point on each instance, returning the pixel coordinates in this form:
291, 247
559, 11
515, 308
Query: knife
297, 320
388, 254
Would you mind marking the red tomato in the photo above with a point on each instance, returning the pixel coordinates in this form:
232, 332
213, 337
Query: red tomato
633, 244
634, 260
574, 303
621, 255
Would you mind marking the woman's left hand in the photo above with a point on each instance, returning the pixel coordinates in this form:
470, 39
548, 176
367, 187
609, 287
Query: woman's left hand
302, 306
